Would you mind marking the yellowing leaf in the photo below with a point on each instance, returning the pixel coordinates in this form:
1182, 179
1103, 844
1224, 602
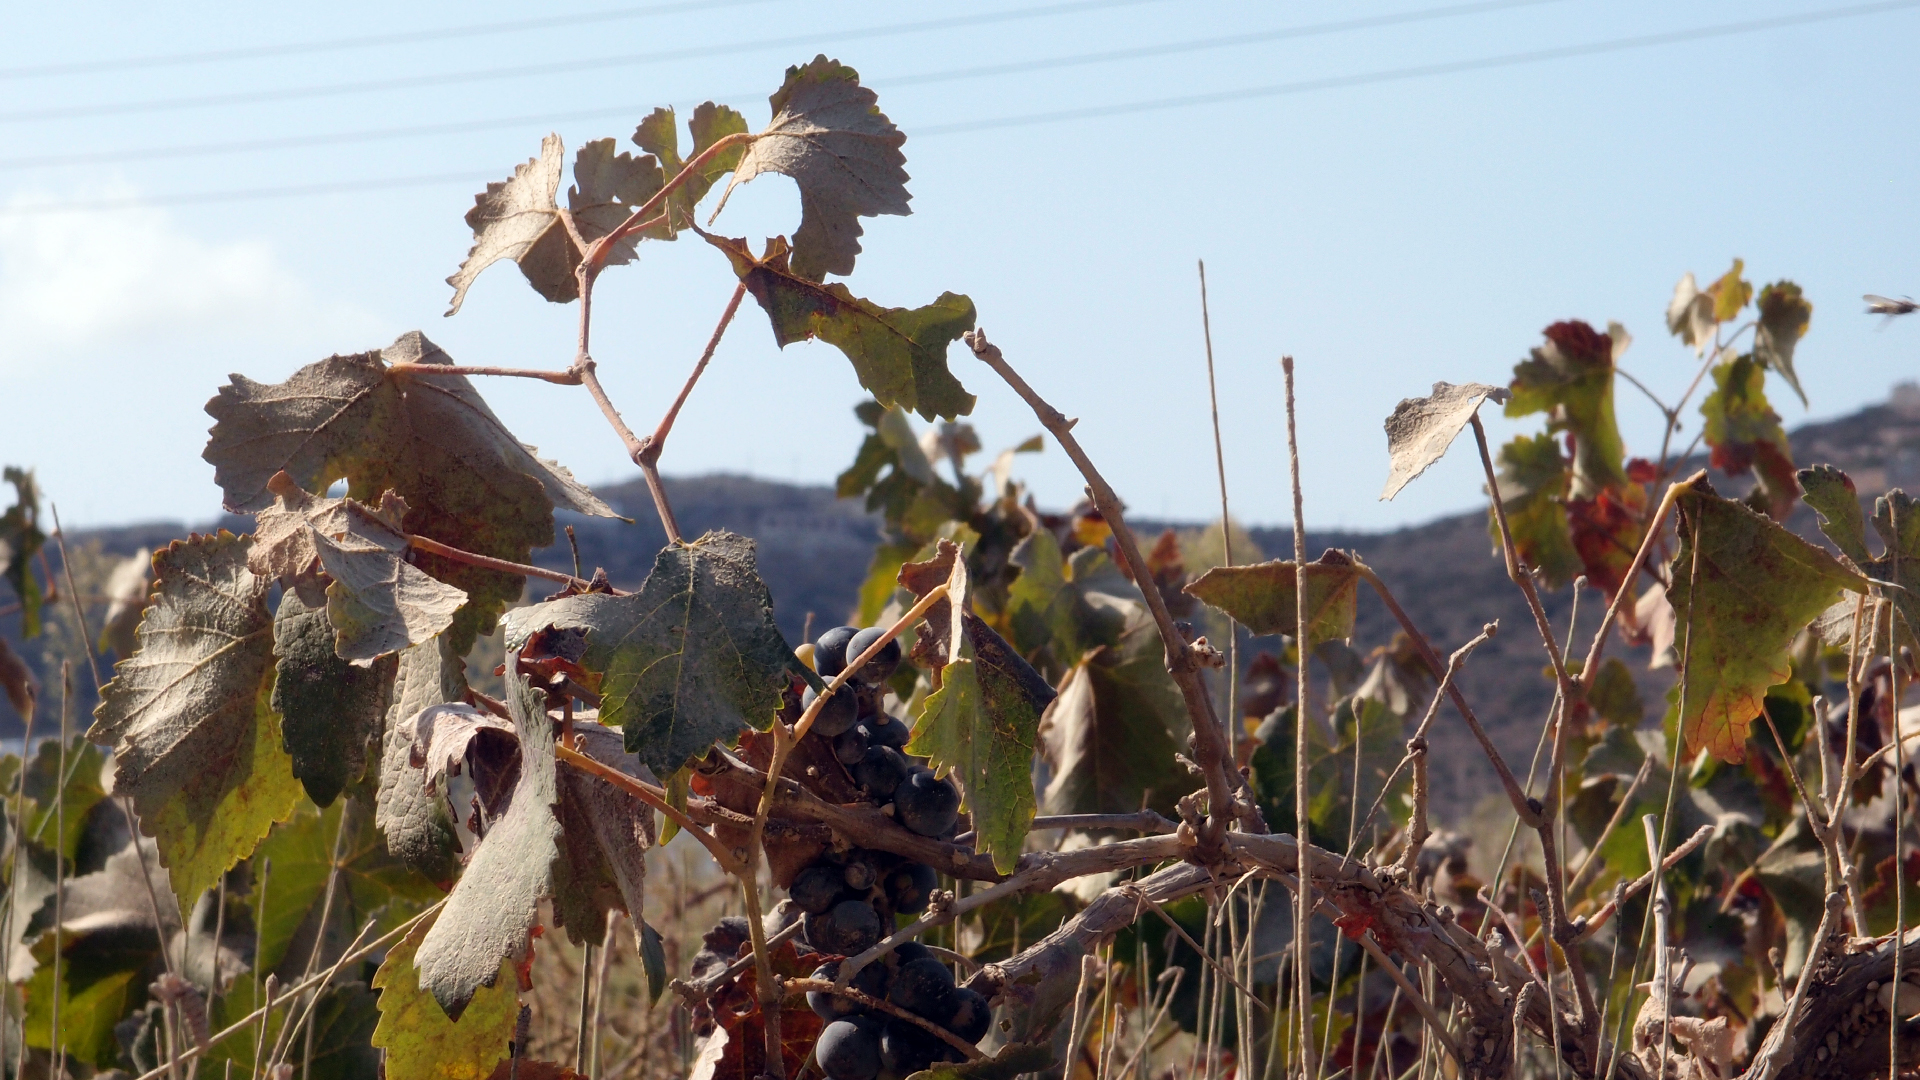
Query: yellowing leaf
20, 539
420, 1041
1421, 429
1261, 597
830, 136
1745, 434
692, 658
518, 219
658, 136
1757, 586
195, 739
900, 354
1730, 293
1784, 315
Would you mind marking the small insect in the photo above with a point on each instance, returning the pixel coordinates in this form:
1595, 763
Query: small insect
1891, 308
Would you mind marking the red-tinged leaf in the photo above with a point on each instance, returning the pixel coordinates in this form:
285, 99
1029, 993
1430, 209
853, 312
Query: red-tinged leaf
529, 1069
1606, 533
1570, 378
1354, 926
736, 1008
1755, 587
1746, 436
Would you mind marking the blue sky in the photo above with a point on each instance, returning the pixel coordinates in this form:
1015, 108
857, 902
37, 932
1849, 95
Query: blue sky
1391, 203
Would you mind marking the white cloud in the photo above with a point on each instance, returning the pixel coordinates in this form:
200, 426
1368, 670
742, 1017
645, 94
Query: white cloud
72, 282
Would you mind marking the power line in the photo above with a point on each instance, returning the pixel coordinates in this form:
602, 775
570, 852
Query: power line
1614, 45
297, 48
925, 78
558, 67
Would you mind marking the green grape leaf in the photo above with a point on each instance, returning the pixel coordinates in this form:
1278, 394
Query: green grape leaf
900, 354
377, 602
690, 659
1830, 492
1048, 613
1570, 378
126, 590
1112, 734
519, 219
421, 1041
1731, 293
1745, 434
1758, 585
497, 899
195, 739
430, 439
373, 885
330, 710
981, 722
658, 136
1690, 315
605, 836
653, 957
1793, 872
1330, 754
419, 829
1784, 315
103, 976
344, 1020
20, 541
1421, 429
1615, 697
79, 791
830, 136
1534, 478
1262, 598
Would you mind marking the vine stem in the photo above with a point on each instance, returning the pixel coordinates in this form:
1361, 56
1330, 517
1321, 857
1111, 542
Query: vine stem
646, 451
1302, 799
559, 378
488, 562
646, 793
1590, 668
1210, 749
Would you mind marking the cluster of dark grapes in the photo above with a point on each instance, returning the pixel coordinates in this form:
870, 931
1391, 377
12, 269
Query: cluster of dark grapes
851, 898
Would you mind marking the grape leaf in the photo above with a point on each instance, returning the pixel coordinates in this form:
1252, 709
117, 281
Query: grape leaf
1421, 429
1745, 432
1758, 585
607, 189
1533, 487
982, 719
1896, 520
126, 590
1784, 315
418, 828
1690, 315
605, 835
429, 438
497, 899
18, 681
1730, 293
194, 736
1112, 734
518, 219
79, 791
657, 135
20, 541
329, 709
900, 354
1330, 766
421, 1042
1570, 378
1830, 492
693, 657
441, 735
1049, 612
1261, 597
736, 1009
830, 136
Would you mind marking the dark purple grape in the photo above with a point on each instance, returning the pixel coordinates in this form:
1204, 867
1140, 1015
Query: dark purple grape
850, 746
880, 770
849, 1049
860, 873
923, 986
836, 717
875, 671
727, 936
907, 1048
871, 981
830, 651
909, 885
884, 730
851, 926
926, 805
816, 888
972, 1016
908, 951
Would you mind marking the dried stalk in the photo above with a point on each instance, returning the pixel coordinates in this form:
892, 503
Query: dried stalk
488, 562
1302, 797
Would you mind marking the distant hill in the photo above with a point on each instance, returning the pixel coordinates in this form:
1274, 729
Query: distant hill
814, 550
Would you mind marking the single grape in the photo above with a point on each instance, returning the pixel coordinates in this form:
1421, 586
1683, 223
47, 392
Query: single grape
727, 936
880, 770
909, 885
830, 651
706, 961
852, 926
971, 1017
871, 981
836, 717
907, 1048
849, 1049
884, 730
875, 671
860, 874
908, 951
850, 746
923, 986
816, 888
926, 805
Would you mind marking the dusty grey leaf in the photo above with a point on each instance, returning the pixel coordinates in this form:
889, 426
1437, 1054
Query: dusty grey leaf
607, 189
418, 828
690, 659
518, 219
126, 589
830, 136
605, 836
1690, 315
497, 898
440, 735
195, 739
1421, 429
330, 709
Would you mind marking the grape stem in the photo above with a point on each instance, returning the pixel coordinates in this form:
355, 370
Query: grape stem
822, 986
647, 794
488, 562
